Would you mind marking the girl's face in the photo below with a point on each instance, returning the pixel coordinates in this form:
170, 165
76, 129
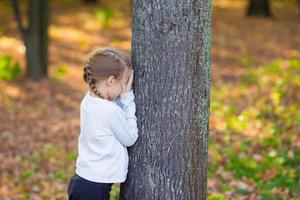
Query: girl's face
115, 85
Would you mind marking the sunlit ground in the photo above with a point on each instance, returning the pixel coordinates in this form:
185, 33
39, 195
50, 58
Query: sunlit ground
255, 120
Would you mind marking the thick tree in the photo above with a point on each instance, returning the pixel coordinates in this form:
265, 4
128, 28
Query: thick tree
35, 36
259, 7
171, 56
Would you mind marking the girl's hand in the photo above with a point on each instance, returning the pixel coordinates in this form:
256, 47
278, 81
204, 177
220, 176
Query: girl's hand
128, 86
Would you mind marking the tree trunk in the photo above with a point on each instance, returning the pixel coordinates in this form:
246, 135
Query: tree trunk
37, 39
90, 1
35, 36
259, 7
171, 56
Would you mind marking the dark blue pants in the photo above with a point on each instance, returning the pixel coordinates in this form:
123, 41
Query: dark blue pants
82, 189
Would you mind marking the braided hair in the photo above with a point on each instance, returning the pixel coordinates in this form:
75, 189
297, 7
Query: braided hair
103, 63
87, 76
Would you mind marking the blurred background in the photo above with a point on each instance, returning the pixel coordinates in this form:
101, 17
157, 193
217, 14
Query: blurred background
254, 141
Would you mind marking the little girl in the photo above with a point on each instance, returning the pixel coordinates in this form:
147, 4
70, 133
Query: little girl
107, 125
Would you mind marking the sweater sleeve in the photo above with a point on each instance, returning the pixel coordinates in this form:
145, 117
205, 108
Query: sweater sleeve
123, 122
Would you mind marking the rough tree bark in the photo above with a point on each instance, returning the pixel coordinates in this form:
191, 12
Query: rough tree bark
171, 56
35, 36
259, 7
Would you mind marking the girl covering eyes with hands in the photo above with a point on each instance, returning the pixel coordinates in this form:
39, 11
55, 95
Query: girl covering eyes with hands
108, 125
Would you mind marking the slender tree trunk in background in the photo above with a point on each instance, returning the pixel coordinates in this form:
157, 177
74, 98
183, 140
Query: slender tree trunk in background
171, 56
259, 7
37, 39
90, 1
35, 36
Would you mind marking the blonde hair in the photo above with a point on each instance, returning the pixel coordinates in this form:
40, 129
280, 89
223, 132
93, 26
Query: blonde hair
102, 63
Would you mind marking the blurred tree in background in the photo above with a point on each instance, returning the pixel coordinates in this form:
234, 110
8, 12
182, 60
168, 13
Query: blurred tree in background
35, 36
259, 7
90, 1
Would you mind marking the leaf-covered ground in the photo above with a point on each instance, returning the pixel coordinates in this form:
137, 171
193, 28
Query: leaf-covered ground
254, 150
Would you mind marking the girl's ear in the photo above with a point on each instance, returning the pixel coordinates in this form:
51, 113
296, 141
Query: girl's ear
111, 80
